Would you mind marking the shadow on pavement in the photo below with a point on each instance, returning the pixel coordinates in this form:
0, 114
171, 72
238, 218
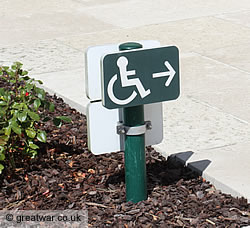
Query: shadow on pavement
198, 166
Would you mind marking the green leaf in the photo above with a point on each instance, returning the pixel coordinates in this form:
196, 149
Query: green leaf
14, 113
51, 107
31, 133
17, 106
14, 126
5, 68
22, 116
40, 93
2, 157
37, 104
2, 91
2, 114
26, 78
33, 146
34, 116
18, 64
57, 122
46, 104
25, 73
29, 87
34, 153
64, 118
40, 82
3, 103
13, 67
25, 107
3, 140
1, 168
7, 131
16, 129
20, 106
41, 136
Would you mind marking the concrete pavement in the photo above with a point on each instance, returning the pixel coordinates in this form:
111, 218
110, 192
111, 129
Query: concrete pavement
209, 125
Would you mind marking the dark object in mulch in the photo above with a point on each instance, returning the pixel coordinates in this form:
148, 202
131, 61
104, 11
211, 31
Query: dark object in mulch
65, 175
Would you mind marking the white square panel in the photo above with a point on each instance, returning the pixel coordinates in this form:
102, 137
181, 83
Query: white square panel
102, 123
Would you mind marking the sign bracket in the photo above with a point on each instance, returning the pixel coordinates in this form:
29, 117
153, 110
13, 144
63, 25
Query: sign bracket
137, 130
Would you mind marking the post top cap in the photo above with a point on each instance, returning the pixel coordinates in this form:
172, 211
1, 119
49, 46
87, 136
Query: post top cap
129, 46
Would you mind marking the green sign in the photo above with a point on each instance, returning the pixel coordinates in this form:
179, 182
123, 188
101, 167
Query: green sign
138, 77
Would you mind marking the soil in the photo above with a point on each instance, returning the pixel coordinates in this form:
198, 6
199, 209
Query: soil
65, 175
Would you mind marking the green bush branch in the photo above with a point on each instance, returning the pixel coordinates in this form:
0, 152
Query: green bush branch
19, 115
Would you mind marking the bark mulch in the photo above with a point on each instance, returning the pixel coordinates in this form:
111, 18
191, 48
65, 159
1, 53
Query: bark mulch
65, 175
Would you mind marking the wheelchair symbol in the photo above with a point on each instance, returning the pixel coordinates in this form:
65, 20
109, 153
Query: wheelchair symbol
122, 64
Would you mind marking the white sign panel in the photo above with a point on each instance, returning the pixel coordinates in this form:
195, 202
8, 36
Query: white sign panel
102, 123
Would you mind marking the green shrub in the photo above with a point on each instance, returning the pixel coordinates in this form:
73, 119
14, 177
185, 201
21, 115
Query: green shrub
21, 108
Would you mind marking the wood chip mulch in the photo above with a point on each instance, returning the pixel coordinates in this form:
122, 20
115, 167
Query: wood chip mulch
65, 175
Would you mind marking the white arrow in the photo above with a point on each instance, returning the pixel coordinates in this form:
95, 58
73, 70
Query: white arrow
170, 73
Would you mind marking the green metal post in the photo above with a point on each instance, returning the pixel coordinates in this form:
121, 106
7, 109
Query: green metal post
135, 162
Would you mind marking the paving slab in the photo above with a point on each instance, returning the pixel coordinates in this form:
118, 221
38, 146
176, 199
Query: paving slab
236, 56
199, 35
241, 18
191, 125
206, 34
42, 56
36, 20
218, 84
114, 36
127, 14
